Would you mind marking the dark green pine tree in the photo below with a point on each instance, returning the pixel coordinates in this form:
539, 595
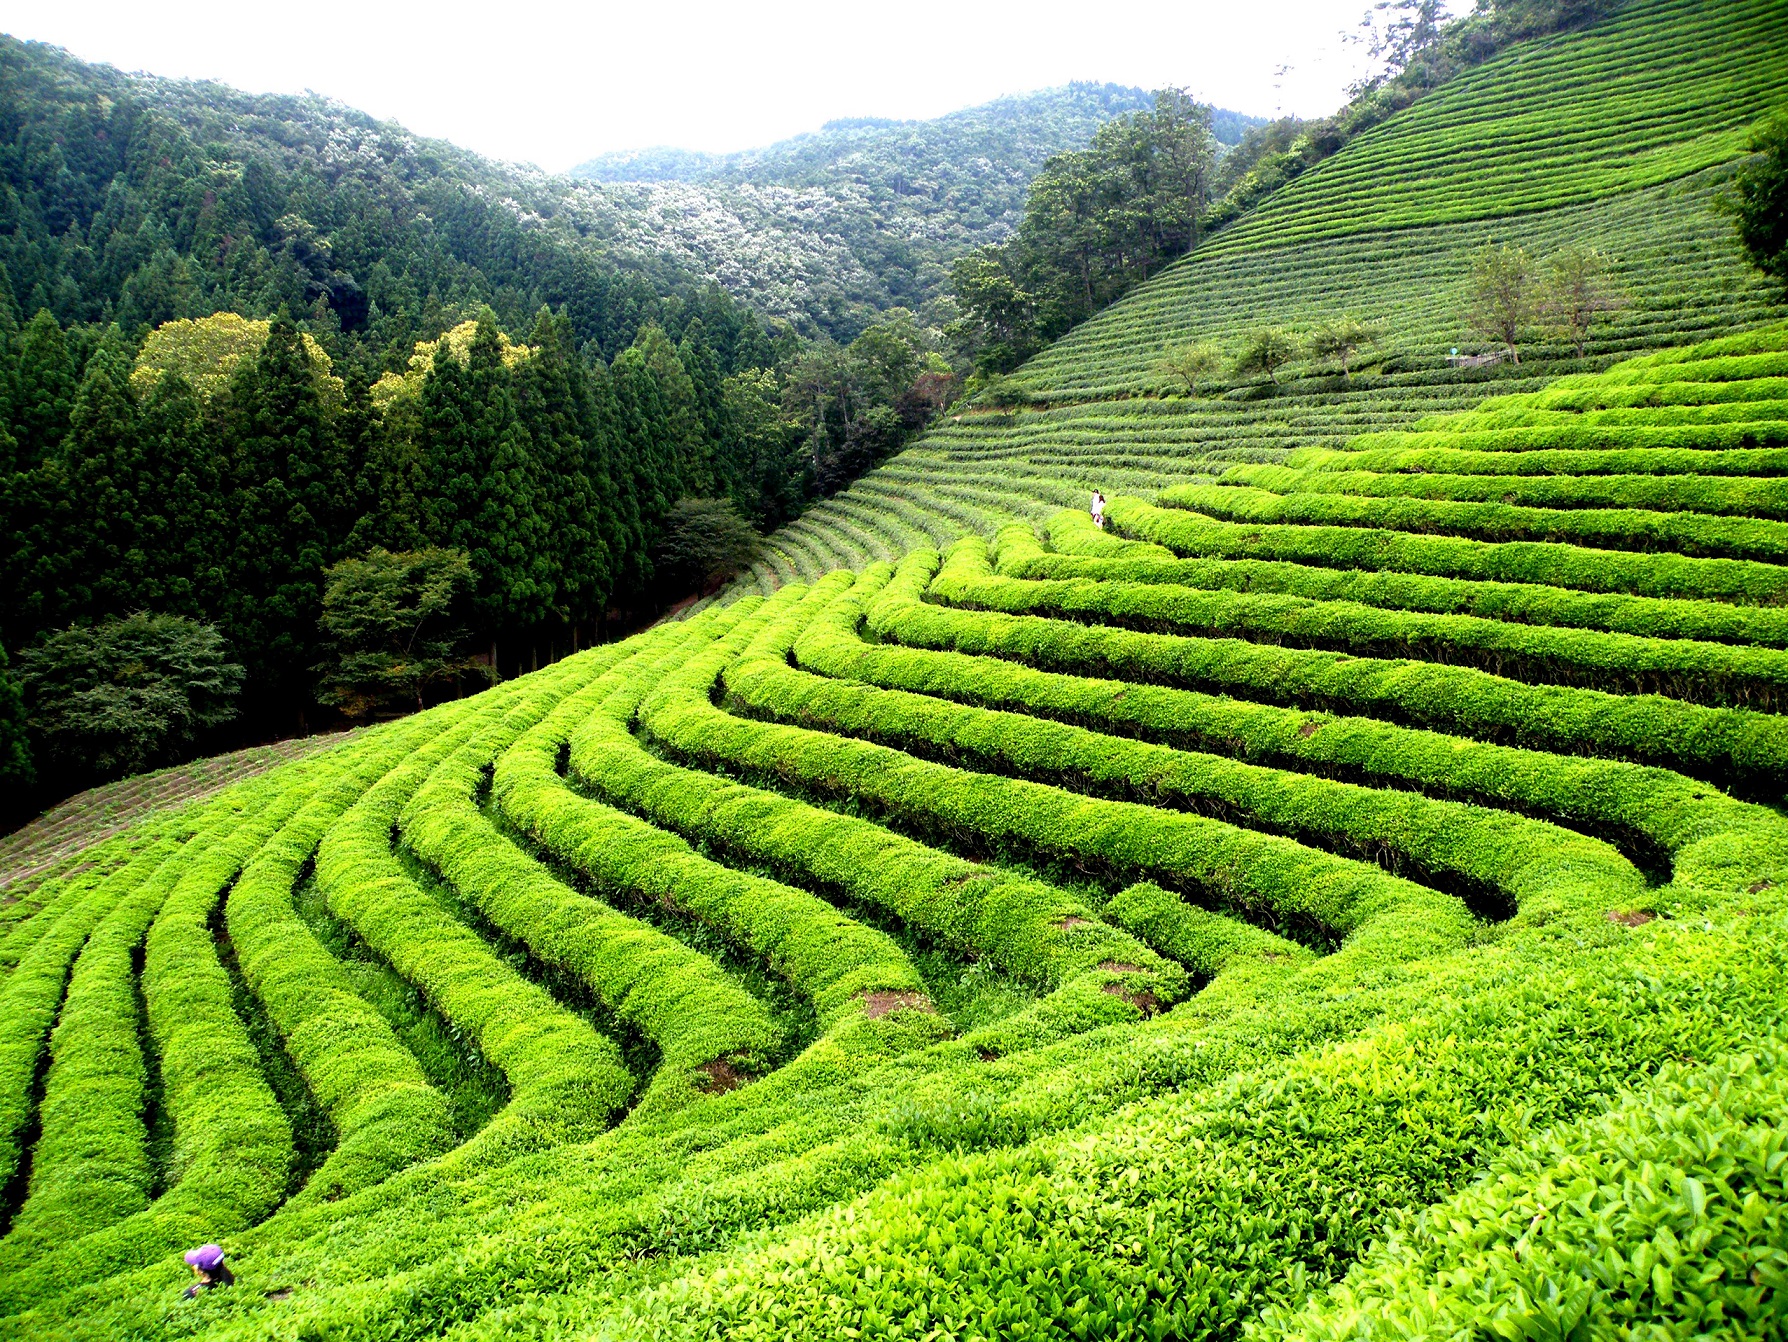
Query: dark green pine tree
687, 447
625, 471
480, 460
17, 775
9, 384
701, 364
45, 393
645, 429
291, 501
553, 397
183, 528
101, 466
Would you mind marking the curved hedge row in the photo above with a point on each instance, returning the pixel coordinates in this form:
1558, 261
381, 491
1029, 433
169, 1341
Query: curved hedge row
1186, 1216
1030, 930
1737, 539
567, 1082
1082, 551
1720, 496
1667, 1213
1467, 847
385, 1113
230, 1157
1710, 839
1738, 745
1713, 673
1330, 546
34, 990
90, 1165
675, 997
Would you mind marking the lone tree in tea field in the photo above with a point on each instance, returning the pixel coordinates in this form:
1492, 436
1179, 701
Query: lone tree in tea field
1266, 351
1762, 198
1343, 340
1192, 364
1577, 290
1503, 303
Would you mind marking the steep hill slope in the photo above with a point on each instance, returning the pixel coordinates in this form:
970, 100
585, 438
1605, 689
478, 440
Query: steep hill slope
140, 199
1616, 137
863, 214
976, 945
1342, 898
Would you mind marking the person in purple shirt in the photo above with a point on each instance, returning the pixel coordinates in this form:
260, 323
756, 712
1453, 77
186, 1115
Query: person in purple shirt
207, 1262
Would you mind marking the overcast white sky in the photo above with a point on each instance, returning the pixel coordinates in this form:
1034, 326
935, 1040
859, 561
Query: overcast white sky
553, 82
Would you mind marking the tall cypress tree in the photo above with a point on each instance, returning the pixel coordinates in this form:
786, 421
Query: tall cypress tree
552, 393
291, 496
17, 775
45, 393
183, 524
686, 450
625, 468
482, 464
101, 463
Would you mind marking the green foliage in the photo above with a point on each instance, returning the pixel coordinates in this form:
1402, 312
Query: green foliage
17, 772
1265, 350
121, 696
1095, 223
1762, 198
899, 200
390, 624
705, 544
1346, 338
1345, 895
1192, 364
1576, 293
864, 402
1679, 1188
1502, 302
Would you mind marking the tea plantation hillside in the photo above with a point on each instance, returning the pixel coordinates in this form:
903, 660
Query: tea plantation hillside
1620, 137
1342, 898
1345, 895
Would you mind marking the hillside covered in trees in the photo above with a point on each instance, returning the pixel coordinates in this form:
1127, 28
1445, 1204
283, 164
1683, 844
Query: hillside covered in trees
865, 213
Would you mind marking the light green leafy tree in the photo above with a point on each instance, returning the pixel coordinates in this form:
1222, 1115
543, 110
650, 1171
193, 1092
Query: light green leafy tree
1266, 350
1503, 301
1192, 364
1343, 340
1577, 289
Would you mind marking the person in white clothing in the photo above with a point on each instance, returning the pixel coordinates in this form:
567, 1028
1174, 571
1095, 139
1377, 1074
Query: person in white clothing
1098, 510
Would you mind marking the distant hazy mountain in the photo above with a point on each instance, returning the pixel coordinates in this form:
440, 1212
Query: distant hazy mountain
861, 215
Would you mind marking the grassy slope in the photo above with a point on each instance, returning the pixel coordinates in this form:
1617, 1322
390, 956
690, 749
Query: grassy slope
95, 815
1284, 910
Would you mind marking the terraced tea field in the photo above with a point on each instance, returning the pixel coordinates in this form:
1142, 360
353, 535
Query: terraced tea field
977, 943
1341, 898
1621, 137
76, 824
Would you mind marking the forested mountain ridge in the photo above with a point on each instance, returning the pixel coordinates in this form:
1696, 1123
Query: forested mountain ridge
139, 199
863, 214
223, 374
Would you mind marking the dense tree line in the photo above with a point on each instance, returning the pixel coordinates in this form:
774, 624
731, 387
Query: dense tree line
1097, 222
1100, 221
250, 344
225, 470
